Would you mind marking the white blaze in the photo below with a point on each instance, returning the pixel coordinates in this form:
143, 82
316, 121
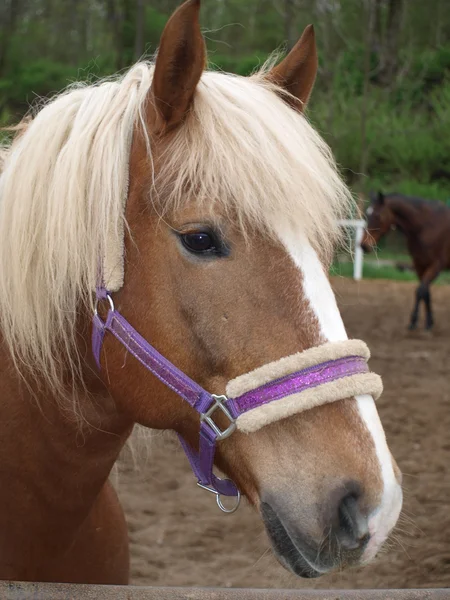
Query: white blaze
322, 301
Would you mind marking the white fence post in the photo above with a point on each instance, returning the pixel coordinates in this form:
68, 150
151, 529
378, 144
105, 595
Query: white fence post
359, 226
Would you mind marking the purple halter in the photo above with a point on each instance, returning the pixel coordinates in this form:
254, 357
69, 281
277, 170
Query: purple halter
205, 403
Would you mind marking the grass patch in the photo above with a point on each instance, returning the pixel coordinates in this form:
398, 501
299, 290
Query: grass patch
372, 270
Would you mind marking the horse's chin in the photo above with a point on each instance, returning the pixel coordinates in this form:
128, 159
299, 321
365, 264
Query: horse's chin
288, 553
299, 555
298, 566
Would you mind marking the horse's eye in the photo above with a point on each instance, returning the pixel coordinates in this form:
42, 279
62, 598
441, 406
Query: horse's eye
200, 242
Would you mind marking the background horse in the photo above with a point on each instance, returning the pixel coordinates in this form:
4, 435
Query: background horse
426, 226
210, 205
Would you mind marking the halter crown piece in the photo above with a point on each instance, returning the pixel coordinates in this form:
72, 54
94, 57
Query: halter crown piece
277, 390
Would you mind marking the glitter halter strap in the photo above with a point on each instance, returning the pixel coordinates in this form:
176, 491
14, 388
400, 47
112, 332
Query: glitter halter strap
274, 391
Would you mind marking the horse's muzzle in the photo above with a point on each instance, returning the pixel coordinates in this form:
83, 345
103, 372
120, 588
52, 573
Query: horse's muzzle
345, 537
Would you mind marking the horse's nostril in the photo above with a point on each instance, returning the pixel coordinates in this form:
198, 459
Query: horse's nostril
353, 531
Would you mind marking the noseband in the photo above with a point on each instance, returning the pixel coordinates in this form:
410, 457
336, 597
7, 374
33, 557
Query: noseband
270, 393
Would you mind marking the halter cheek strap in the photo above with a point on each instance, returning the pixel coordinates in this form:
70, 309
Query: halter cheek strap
203, 402
270, 393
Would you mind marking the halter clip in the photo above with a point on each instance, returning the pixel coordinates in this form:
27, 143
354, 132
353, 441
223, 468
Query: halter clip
223, 508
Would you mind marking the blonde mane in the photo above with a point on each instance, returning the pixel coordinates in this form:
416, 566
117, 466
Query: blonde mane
65, 180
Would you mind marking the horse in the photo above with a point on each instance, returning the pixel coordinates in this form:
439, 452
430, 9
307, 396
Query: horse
165, 238
426, 226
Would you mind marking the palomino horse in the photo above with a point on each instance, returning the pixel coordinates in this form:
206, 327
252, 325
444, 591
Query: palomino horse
426, 225
199, 209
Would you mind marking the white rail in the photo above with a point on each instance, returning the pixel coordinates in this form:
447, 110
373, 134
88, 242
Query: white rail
358, 225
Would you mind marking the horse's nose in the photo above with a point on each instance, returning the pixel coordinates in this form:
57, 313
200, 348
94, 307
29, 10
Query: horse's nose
351, 526
365, 247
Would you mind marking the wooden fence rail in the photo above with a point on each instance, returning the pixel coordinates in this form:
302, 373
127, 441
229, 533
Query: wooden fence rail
51, 591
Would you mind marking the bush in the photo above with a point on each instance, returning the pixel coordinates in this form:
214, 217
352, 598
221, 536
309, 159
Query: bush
403, 143
41, 79
239, 65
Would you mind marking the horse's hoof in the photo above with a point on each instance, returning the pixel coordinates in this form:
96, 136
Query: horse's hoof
412, 326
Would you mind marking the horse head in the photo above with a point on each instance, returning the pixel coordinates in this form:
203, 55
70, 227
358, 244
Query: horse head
211, 206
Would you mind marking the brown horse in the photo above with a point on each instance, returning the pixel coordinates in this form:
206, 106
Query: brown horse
426, 226
209, 205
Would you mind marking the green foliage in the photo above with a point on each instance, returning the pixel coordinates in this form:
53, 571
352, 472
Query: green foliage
407, 146
432, 65
154, 24
37, 78
240, 66
410, 187
42, 78
396, 131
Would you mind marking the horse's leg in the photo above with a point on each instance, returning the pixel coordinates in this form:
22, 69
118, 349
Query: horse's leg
429, 276
423, 293
415, 312
429, 322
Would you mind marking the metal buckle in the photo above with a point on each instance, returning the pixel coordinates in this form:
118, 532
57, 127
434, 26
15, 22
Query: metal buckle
206, 417
223, 508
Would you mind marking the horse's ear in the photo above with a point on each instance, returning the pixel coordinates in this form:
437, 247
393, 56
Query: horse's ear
380, 198
179, 65
297, 72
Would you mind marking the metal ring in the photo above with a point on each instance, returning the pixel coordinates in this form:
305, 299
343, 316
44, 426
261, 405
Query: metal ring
111, 304
223, 508
229, 511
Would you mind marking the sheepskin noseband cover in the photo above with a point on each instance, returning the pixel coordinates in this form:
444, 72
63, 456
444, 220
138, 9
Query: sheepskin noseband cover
320, 375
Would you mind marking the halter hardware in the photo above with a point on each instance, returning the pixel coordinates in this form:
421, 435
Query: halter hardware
241, 405
110, 302
203, 402
206, 417
223, 508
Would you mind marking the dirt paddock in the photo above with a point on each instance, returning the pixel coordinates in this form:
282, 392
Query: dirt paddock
179, 537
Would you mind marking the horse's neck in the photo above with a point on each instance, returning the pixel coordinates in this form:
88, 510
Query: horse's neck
50, 464
407, 216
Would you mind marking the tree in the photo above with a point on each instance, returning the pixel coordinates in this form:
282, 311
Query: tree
140, 29
290, 32
388, 42
10, 14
